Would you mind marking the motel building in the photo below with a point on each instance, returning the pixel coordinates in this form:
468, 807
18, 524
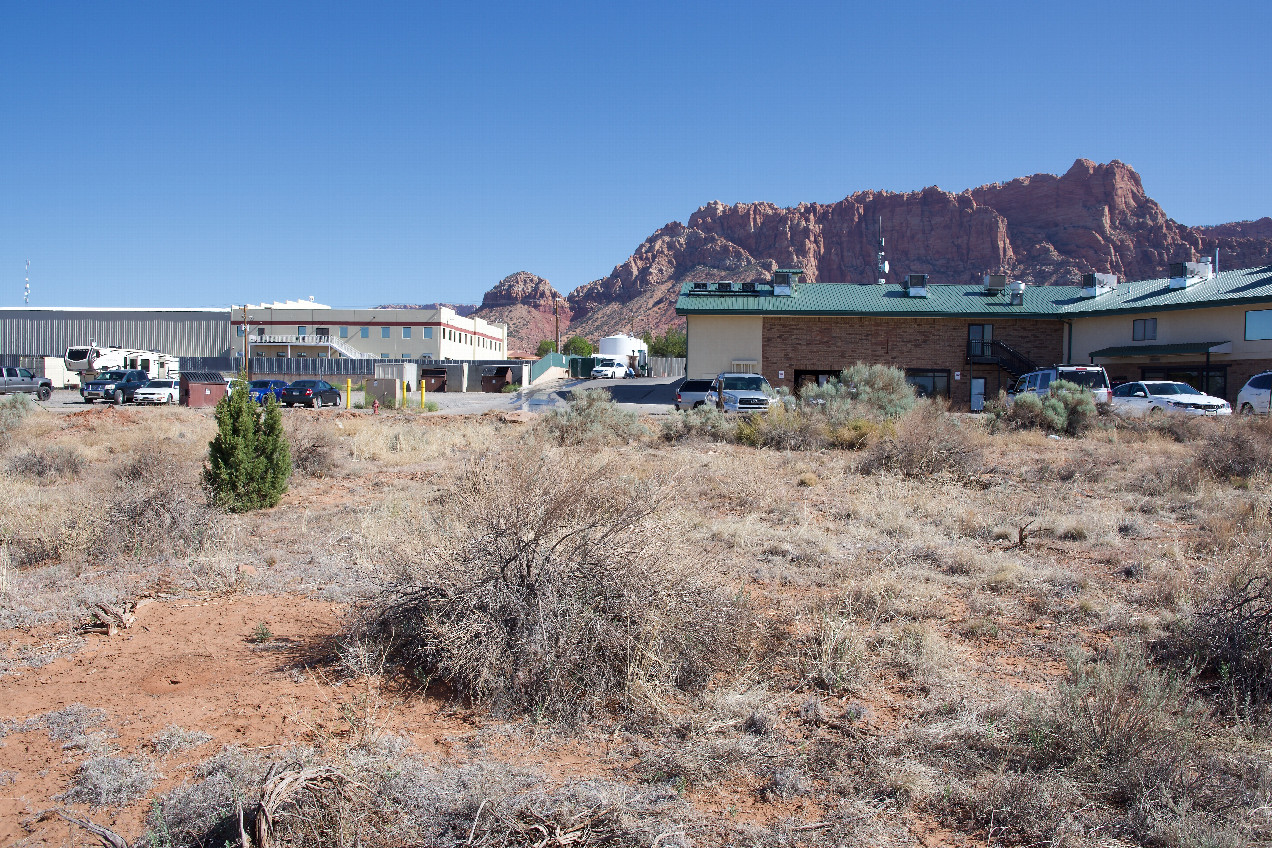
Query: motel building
966, 342
303, 329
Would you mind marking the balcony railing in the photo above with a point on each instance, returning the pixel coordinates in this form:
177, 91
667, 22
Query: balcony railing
1000, 354
325, 341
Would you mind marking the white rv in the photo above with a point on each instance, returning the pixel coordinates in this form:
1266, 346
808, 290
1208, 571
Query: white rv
92, 358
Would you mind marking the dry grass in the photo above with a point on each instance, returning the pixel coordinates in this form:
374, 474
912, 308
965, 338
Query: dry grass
927, 649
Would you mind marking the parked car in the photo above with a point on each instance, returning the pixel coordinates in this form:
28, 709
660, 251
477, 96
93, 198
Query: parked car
314, 393
24, 380
609, 369
261, 390
741, 392
1256, 394
158, 391
119, 386
1039, 382
692, 394
1154, 397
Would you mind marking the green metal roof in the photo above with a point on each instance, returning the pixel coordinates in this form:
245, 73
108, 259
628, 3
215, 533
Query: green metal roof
1227, 288
1157, 350
887, 300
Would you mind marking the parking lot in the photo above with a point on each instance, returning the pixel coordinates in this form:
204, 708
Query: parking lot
645, 395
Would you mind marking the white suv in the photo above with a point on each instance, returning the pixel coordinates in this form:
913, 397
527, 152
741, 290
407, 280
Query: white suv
1039, 382
1256, 394
741, 392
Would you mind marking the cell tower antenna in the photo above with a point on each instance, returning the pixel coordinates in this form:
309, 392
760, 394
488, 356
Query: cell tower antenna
26, 294
883, 257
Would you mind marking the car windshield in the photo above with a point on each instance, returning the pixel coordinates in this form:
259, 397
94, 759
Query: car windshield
159, 384
1171, 389
745, 384
114, 375
1092, 379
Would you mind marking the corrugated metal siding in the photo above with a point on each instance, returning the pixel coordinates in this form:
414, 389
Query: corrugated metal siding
50, 332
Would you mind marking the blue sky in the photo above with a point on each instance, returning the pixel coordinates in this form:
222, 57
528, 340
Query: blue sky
204, 154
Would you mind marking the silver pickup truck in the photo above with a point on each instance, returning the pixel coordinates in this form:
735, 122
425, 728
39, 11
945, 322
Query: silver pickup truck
24, 380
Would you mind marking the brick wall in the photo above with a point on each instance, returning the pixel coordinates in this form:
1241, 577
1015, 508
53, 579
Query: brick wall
826, 343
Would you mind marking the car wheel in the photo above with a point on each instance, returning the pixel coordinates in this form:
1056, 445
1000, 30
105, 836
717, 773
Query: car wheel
698, 404
315, 402
88, 400
119, 396
337, 399
1247, 409
44, 393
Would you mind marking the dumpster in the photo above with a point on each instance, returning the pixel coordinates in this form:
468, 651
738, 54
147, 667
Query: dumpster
581, 367
495, 377
433, 379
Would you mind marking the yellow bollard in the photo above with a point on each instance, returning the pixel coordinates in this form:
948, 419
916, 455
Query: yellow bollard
348, 391
403, 406
421, 392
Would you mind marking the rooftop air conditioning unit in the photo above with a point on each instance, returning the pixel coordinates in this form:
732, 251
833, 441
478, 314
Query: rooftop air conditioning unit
995, 283
916, 285
1017, 290
1094, 285
700, 287
784, 280
1184, 274
748, 287
724, 286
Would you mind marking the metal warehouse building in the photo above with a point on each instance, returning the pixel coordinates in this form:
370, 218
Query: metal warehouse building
49, 331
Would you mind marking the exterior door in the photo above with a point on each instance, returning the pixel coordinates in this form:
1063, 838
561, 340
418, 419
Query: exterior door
979, 337
978, 394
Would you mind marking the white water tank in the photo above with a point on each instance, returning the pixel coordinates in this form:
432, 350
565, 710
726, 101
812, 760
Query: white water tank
623, 347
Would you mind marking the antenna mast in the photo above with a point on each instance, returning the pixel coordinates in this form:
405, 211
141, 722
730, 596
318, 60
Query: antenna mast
883, 259
26, 294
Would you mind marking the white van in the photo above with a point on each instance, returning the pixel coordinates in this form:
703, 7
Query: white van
1039, 382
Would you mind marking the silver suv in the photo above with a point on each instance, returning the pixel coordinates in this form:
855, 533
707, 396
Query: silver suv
1039, 382
740, 392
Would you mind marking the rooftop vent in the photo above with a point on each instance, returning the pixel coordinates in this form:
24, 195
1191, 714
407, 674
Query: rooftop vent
1184, 274
916, 285
784, 280
724, 286
748, 287
700, 287
1017, 290
1094, 285
995, 283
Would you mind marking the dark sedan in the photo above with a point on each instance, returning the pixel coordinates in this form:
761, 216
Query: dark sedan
313, 393
262, 390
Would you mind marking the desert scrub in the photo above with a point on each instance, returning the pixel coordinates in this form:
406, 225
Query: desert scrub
862, 391
47, 465
155, 510
1068, 408
705, 423
547, 597
110, 782
591, 417
926, 441
13, 410
1236, 448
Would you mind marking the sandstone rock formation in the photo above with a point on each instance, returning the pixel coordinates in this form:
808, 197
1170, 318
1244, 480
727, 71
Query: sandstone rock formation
524, 301
1043, 229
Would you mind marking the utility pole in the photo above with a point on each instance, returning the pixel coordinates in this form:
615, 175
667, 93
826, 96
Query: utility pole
247, 361
556, 318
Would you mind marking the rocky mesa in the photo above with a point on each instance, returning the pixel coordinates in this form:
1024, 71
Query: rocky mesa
524, 302
1044, 229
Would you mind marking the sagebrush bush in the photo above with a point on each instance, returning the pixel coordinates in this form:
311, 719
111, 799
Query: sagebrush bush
1227, 641
249, 461
591, 417
705, 423
13, 410
549, 598
313, 448
110, 782
48, 464
1236, 448
1068, 408
862, 391
155, 509
926, 441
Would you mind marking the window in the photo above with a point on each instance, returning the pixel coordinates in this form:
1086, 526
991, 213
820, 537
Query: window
239, 328
384, 356
406, 332
929, 382
979, 339
1258, 325
1262, 381
428, 332
300, 331
364, 332
1144, 329
1213, 381
385, 332
344, 332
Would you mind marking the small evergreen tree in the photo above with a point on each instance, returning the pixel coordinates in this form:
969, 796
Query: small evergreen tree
249, 461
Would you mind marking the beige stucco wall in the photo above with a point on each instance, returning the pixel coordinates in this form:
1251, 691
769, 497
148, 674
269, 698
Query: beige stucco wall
1219, 324
716, 341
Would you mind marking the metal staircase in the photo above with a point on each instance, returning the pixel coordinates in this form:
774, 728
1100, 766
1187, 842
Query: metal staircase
332, 342
1004, 356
